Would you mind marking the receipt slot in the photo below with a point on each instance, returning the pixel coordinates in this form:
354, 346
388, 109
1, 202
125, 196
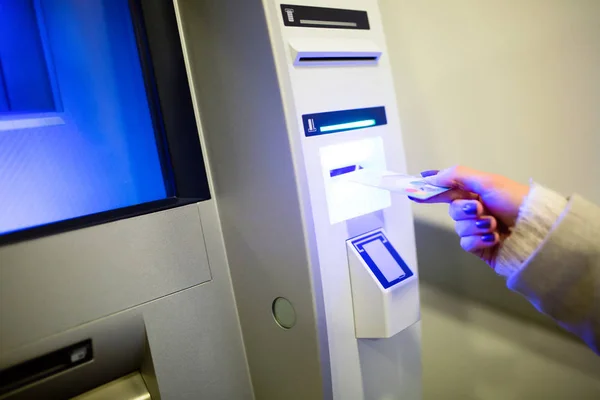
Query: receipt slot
384, 288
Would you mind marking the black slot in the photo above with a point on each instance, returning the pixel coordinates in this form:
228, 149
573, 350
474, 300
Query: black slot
344, 170
341, 58
45, 366
322, 17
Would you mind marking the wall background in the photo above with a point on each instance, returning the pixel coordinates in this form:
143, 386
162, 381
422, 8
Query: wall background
507, 86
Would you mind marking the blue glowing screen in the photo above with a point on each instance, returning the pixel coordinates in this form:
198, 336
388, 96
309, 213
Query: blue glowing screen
76, 133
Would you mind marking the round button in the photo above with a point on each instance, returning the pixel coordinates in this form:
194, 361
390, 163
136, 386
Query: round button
284, 313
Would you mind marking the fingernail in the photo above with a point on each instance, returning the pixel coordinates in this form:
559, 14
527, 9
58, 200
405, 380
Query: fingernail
483, 223
429, 172
490, 237
470, 208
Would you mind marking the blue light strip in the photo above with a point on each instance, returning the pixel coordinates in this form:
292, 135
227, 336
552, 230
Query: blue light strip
349, 125
334, 122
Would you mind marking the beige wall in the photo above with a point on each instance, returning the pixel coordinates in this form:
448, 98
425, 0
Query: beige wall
509, 86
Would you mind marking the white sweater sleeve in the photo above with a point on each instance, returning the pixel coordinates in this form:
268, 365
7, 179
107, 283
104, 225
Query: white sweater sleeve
553, 259
538, 214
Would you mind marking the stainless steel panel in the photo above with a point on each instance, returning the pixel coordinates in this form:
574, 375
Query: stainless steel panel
235, 81
187, 345
196, 345
130, 387
55, 283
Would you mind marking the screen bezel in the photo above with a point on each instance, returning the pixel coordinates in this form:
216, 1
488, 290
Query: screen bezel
173, 117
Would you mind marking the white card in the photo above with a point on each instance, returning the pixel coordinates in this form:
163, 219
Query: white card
413, 186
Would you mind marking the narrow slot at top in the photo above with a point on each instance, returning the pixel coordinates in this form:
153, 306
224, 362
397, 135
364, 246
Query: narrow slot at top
334, 58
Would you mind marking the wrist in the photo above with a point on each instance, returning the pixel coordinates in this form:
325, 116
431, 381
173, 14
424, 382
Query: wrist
517, 196
537, 215
520, 196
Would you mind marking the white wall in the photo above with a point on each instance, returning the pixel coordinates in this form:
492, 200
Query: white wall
508, 86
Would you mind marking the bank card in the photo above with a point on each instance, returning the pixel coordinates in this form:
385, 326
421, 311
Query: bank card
413, 186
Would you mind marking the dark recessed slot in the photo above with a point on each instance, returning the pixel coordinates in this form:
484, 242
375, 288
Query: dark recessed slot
344, 170
321, 17
45, 366
344, 58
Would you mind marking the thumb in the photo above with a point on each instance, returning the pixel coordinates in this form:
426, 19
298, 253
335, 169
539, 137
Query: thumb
460, 177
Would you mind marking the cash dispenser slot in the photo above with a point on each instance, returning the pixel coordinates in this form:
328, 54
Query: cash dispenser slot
106, 359
43, 367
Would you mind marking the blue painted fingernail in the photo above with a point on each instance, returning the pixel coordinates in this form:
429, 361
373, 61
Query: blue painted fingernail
490, 237
429, 172
470, 208
483, 223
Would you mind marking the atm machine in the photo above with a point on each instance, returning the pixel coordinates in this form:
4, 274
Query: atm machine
113, 274
177, 218
294, 98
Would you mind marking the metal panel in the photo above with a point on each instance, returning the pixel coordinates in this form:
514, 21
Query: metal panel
191, 338
256, 191
130, 387
54, 283
196, 345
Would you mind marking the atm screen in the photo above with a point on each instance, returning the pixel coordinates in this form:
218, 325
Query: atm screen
81, 125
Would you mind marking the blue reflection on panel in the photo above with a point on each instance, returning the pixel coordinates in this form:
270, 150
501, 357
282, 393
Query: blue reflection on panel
104, 156
25, 75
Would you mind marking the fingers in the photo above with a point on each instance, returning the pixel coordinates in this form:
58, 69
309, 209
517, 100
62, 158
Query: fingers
460, 177
476, 230
446, 178
447, 197
465, 209
479, 226
474, 243
430, 172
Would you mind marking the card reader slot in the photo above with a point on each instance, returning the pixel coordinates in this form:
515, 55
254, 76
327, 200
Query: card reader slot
344, 170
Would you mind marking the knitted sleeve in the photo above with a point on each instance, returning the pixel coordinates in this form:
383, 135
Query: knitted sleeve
553, 259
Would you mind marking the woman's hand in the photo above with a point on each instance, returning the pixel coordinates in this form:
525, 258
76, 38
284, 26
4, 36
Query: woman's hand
484, 206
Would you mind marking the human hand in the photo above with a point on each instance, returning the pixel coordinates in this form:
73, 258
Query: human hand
484, 206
